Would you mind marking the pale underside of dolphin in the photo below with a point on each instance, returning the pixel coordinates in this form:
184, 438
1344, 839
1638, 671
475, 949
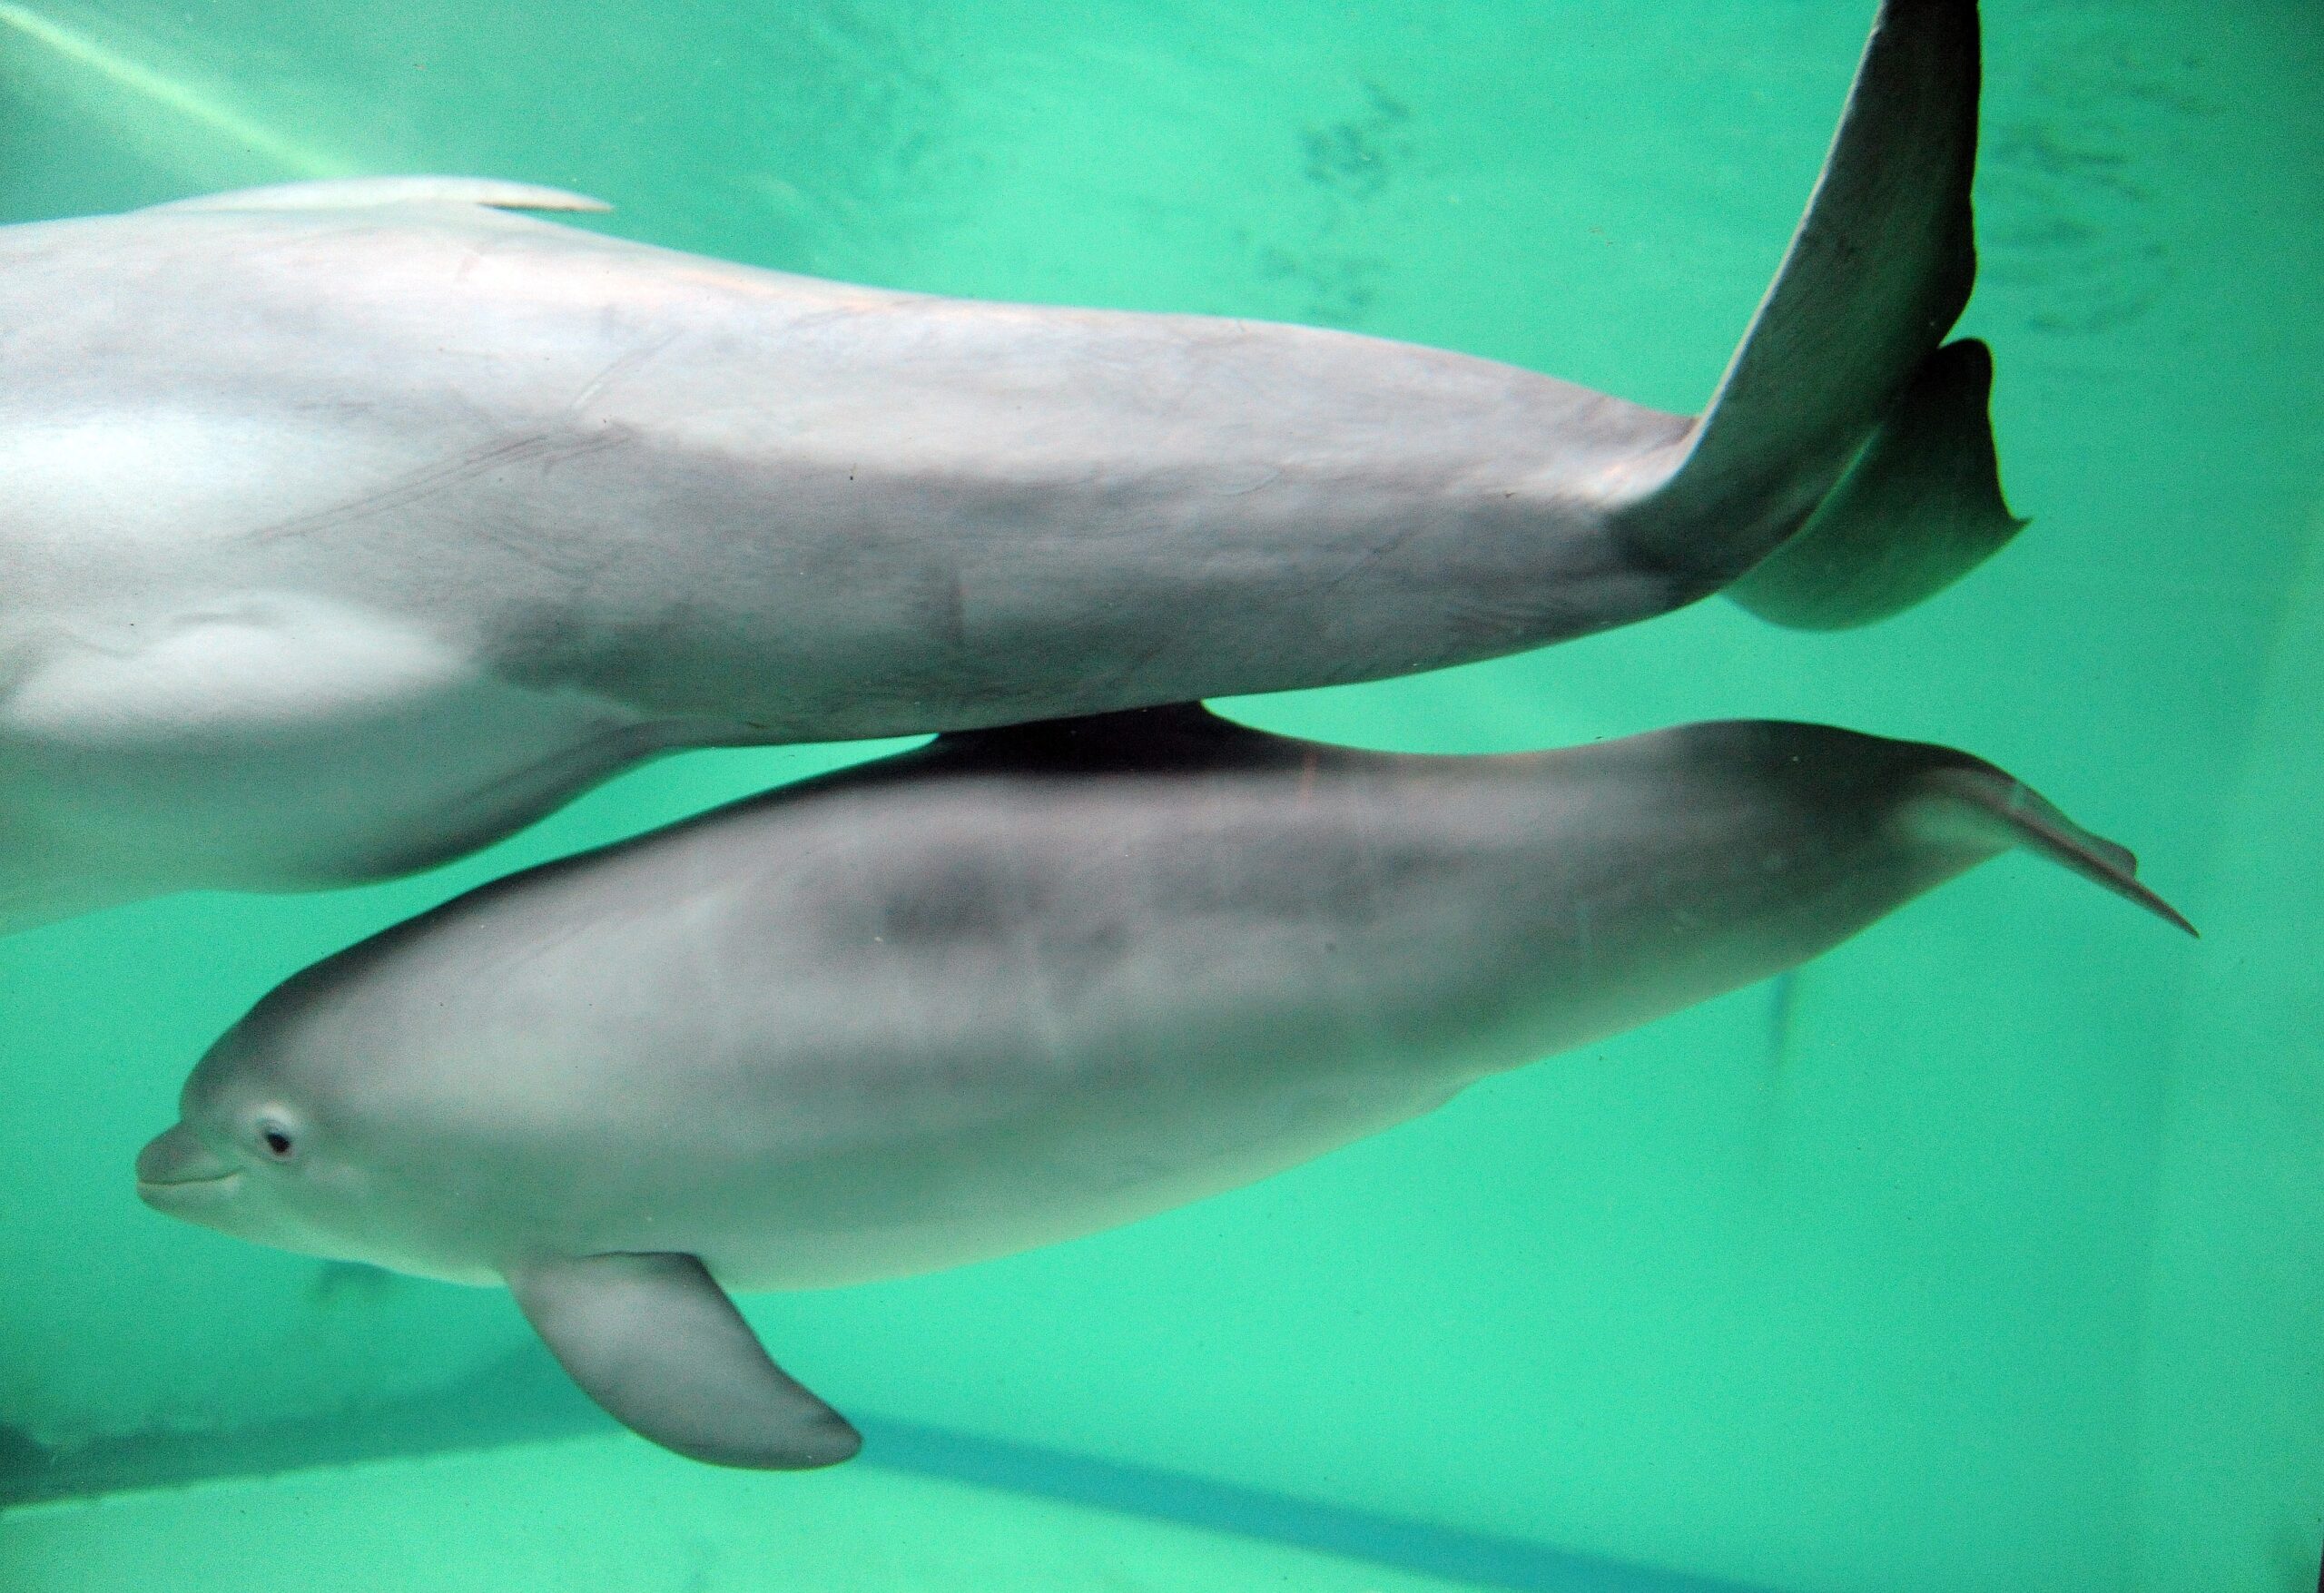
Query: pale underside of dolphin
1019, 985
351, 525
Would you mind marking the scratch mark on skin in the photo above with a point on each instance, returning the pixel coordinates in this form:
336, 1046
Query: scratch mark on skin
1268, 479
1123, 676
547, 449
478, 252
1379, 553
620, 370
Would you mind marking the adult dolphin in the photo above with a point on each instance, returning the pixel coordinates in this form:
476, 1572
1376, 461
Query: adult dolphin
1019, 985
351, 525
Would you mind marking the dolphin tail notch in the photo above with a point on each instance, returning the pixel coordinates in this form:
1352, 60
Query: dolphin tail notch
1842, 366
1930, 473
1972, 799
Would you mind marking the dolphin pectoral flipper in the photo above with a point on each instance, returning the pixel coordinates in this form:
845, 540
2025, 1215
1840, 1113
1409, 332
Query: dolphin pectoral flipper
654, 1340
344, 193
1879, 269
1929, 472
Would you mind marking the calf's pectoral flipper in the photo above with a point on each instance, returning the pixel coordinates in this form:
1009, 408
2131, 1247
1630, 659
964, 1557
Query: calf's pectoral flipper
656, 1340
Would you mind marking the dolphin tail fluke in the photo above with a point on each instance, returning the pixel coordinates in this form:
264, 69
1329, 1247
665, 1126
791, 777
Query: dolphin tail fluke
2004, 813
1840, 366
1920, 507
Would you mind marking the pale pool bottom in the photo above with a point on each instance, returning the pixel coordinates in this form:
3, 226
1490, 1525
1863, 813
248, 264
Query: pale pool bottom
602, 1514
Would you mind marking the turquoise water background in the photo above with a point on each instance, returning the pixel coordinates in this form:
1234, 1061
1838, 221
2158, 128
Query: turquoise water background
1985, 1253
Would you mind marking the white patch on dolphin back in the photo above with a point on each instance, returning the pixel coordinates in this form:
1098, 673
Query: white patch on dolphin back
275, 741
256, 665
169, 480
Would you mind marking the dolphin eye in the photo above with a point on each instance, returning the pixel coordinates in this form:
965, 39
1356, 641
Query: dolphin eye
277, 1140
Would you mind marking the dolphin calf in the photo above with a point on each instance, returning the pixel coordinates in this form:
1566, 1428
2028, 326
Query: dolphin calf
1017, 986
351, 525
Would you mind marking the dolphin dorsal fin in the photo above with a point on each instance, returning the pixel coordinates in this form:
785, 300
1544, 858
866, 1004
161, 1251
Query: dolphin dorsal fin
347, 193
1130, 724
656, 1342
1171, 738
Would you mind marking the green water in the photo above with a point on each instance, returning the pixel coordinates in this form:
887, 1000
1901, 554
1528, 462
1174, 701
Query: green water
1985, 1252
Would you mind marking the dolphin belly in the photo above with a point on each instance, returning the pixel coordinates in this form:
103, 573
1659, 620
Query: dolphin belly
1107, 1158
714, 493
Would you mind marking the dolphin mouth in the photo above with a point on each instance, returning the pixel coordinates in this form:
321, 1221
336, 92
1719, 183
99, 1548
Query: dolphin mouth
186, 1194
176, 1165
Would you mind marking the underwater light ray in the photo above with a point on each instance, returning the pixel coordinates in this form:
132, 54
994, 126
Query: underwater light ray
158, 89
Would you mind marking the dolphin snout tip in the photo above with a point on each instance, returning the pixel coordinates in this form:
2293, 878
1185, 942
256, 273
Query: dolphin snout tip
176, 1158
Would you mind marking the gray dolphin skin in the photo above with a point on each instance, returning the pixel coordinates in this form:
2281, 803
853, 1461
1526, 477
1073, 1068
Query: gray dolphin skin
1014, 986
352, 526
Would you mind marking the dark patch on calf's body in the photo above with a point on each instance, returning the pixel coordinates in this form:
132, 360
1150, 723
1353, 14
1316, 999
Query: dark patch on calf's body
960, 901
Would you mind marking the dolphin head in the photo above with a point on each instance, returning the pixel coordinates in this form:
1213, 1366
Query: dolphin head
258, 1153
298, 1130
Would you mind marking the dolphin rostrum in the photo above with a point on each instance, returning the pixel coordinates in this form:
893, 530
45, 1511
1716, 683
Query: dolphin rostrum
351, 525
1017, 986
